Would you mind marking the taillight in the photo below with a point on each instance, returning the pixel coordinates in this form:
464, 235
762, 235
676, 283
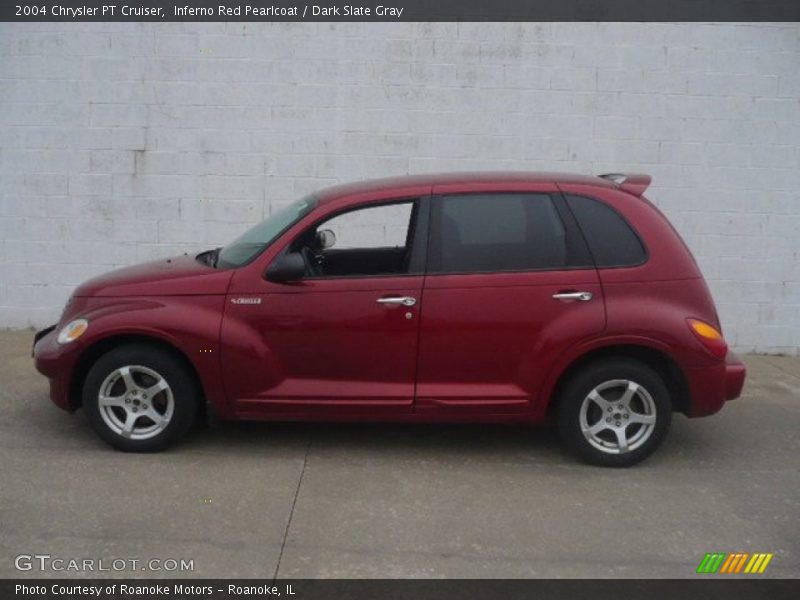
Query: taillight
709, 336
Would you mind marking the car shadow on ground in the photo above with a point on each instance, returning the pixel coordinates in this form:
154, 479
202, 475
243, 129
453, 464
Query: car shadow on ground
383, 439
518, 442
538, 443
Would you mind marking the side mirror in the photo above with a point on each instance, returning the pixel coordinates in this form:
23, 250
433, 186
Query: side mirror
286, 268
325, 239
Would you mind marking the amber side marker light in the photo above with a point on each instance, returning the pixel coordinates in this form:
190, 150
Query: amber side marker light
709, 336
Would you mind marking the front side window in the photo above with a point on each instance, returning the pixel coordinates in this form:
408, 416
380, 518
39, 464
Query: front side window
254, 241
374, 240
611, 240
479, 233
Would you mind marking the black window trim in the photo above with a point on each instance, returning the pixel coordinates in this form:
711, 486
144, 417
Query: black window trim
418, 228
622, 218
572, 232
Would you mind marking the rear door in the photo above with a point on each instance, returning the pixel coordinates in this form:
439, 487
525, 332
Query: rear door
509, 286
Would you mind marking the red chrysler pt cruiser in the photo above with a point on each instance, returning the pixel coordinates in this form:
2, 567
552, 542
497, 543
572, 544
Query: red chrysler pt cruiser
494, 297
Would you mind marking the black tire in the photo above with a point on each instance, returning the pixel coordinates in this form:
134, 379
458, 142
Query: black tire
145, 359
599, 374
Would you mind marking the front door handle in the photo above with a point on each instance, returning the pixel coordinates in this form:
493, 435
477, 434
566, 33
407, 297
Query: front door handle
582, 296
403, 300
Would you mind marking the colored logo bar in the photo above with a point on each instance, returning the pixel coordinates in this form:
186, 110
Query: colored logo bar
736, 562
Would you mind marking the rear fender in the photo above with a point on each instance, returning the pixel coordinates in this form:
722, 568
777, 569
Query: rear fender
580, 351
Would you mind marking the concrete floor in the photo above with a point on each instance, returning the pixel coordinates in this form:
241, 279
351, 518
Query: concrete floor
256, 500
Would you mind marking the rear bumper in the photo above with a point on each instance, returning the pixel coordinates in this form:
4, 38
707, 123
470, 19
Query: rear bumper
56, 362
711, 387
735, 372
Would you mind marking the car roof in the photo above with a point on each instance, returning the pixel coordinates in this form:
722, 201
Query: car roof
469, 177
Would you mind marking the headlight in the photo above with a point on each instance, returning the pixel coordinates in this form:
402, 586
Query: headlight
72, 331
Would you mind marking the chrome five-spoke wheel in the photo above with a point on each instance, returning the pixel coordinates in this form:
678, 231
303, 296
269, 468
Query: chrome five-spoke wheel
136, 402
618, 416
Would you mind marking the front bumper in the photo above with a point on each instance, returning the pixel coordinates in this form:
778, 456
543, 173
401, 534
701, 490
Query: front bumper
56, 362
39, 335
711, 387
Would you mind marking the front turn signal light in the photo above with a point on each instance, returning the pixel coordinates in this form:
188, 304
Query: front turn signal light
72, 331
709, 336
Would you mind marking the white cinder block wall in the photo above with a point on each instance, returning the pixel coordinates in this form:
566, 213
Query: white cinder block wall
124, 142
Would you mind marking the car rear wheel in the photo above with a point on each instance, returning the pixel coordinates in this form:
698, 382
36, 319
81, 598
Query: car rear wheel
139, 398
615, 412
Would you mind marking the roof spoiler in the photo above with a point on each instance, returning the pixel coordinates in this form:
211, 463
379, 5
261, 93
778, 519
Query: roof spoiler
633, 183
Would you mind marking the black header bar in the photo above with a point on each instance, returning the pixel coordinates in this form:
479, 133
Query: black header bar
401, 10
700, 587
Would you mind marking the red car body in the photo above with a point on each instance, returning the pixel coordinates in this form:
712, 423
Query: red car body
476, 347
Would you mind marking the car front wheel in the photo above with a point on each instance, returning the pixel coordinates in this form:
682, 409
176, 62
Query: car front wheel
139, 398
615, 412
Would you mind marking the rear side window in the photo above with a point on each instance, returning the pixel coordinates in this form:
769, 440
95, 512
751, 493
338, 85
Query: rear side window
480, 233
611, 240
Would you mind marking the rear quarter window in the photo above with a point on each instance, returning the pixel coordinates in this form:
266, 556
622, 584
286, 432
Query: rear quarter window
612, 241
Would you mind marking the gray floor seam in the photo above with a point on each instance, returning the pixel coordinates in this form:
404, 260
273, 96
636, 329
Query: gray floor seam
291, 511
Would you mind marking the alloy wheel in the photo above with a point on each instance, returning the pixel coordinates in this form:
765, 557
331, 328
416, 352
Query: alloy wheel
618, 416
136, 402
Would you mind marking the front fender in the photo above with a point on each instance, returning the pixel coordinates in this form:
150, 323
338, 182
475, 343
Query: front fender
189, 324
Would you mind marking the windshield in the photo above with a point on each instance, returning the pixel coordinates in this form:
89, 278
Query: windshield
249, 245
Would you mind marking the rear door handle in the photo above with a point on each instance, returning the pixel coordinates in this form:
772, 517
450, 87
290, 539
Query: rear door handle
402, 300
582, 296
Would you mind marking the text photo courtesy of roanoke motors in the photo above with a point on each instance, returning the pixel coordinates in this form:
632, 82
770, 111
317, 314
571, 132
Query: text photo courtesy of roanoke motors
416, 300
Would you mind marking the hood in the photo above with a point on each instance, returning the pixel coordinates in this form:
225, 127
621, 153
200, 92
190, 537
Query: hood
177, 276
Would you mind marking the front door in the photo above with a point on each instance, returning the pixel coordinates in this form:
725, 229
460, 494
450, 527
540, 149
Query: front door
343, 339
510, 285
